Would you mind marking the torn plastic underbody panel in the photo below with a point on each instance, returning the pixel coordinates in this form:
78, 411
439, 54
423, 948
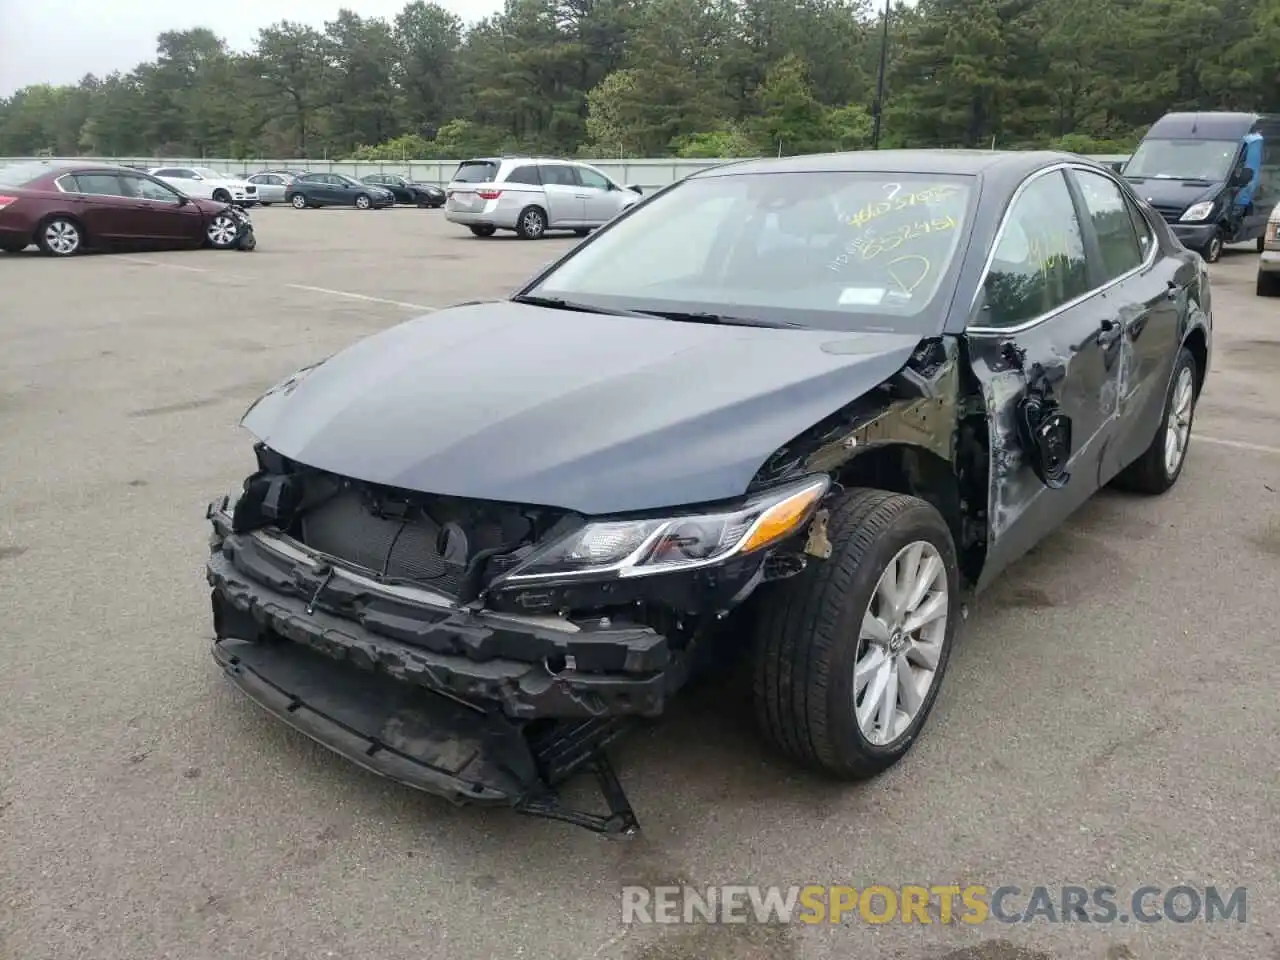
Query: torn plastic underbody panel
471, 704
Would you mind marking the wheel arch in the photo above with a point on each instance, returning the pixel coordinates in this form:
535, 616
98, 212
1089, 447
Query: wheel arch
903, 467
1197, 341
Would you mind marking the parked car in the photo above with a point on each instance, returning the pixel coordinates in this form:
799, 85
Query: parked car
335, 189
1269, 260
271, 186
408, 191
532, 195
208, 184
68, 207
796, 409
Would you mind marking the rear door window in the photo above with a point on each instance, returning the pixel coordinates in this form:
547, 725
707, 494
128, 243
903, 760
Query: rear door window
99, 184
1117, 242
525, 174
476, 171
559, 175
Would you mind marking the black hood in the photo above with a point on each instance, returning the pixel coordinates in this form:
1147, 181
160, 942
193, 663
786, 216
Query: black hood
588, 412
1166, 194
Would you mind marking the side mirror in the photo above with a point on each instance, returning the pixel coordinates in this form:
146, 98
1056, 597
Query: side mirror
1045, 433
1241, 177
183, 201
634, 188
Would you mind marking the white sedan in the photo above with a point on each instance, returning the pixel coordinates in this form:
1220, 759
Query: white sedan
208, 184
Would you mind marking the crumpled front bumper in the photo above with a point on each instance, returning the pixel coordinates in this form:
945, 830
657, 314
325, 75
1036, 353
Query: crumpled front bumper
475, 707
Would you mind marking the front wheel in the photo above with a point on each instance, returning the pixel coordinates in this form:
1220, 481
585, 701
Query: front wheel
850, 654
532, 223
221, 196
222, 232
1268, 285
1213, 249
1161, 463
299, 202
362, 202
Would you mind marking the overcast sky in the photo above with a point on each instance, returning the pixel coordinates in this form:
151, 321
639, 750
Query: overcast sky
59, 41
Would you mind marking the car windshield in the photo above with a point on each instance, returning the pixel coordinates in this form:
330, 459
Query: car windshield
1183, 159
840, 251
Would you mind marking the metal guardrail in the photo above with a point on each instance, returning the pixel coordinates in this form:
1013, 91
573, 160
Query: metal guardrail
647, 173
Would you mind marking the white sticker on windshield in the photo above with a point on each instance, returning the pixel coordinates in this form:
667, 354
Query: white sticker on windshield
861, 296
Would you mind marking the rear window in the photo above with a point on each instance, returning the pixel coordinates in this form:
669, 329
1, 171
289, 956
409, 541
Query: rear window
476, 171
20, 174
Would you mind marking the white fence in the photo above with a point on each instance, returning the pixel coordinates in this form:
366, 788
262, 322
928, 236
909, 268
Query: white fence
648, 174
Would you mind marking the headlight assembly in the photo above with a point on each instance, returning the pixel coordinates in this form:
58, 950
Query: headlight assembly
637, 548
1197, 211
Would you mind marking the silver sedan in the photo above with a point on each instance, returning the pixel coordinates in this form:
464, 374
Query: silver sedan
271, 186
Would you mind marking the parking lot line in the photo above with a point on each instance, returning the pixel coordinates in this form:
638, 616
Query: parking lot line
347, 294
361, 296
1240, 445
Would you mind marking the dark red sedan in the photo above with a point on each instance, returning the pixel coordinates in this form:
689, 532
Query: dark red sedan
65, 208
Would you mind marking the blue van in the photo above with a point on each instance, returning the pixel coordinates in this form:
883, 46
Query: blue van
1213, 176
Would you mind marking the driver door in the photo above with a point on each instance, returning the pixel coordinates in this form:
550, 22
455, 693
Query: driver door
1045, 344
160, 214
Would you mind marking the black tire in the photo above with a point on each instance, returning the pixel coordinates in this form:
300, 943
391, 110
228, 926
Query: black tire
581, 231
532, 223
265, 203
13, 248
1262, 243
362, 202
1268, 285
808, 629
298, 201
484, 231
221, 196
60, 237
1212, 251
1150, 473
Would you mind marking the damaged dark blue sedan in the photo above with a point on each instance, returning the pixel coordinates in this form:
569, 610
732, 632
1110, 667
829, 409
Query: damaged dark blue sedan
796, 410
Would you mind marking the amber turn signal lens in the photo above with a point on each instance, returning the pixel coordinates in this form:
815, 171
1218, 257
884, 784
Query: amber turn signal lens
782, 519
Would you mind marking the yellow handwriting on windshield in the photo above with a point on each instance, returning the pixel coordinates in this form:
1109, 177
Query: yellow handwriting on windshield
914, 276
894, 202
911, 231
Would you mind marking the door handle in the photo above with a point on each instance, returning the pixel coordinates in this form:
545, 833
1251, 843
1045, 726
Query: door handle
582, 196
1172, 290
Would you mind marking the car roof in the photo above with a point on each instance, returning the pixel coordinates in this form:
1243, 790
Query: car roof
943, 162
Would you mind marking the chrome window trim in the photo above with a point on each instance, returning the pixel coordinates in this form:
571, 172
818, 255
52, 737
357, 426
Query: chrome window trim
58, 183
989, 331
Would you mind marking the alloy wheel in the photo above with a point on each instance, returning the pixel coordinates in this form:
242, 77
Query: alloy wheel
362, 202
1213, 253
63, 237
222, 231
901, 642
533, 224
1177, 433
299, 201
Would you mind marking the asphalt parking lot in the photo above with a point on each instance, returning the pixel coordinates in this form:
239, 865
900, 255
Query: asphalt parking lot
1109, 717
